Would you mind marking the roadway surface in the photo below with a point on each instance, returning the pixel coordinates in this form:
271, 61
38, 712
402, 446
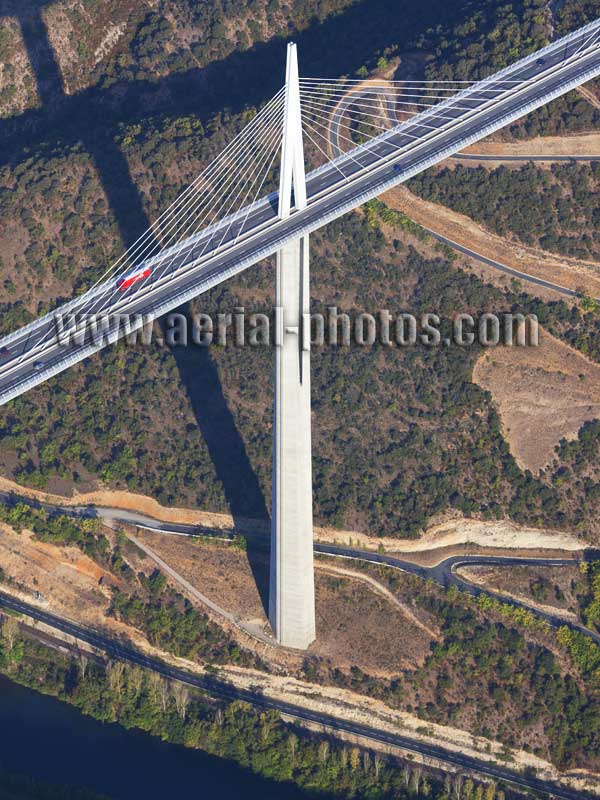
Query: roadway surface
35, 353
226, 691
472, 157
524, 276
444, 573
335, 128
335, 142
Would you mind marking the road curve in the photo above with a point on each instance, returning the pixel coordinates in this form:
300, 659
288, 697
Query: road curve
444, 573
336, 146
223, 690
37, 352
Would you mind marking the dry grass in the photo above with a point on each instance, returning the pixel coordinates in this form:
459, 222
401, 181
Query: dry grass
568, 272
16, 75
518, 582
222, 573
71, 24
383, 591
577, 144
543, 394
357, 625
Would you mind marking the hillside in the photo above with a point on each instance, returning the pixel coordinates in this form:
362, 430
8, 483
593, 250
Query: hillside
123, 105
460, 484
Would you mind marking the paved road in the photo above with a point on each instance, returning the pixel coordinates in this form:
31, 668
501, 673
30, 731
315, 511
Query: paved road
223, 690
335, 134
339, 186
523, 276
471, 157
443, 573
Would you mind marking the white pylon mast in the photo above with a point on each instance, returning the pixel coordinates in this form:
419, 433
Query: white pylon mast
292, 587
292, 149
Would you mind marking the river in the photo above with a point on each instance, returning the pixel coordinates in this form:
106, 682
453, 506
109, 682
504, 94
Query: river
51, 741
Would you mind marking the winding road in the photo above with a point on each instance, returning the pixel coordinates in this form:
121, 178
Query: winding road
443, 573
335, 134
224, 690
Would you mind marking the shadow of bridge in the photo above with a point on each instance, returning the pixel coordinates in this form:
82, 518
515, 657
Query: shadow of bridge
197, 368
92, 117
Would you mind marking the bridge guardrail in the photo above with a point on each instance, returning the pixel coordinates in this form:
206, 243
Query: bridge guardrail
297, 231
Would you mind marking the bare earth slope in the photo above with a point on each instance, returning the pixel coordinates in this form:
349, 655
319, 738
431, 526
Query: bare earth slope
568, 272
543, 394
577, 144
451, 531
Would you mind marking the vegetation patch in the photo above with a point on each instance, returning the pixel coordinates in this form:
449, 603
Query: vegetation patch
546, 208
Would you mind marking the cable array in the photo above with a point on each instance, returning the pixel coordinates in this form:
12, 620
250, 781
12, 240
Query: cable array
210, 213
345, 115
352, 115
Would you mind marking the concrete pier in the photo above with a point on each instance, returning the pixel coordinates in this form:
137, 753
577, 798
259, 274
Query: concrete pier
292, 583
292, 586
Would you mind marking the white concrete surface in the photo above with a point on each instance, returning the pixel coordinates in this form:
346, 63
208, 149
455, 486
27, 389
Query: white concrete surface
292, 588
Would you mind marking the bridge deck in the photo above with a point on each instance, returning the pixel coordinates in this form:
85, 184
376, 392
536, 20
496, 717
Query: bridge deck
224, 250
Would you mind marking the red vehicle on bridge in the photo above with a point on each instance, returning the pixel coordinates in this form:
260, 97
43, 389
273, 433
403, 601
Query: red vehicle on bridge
132, 277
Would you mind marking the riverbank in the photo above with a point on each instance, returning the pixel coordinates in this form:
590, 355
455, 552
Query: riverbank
75, 750
229, 748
